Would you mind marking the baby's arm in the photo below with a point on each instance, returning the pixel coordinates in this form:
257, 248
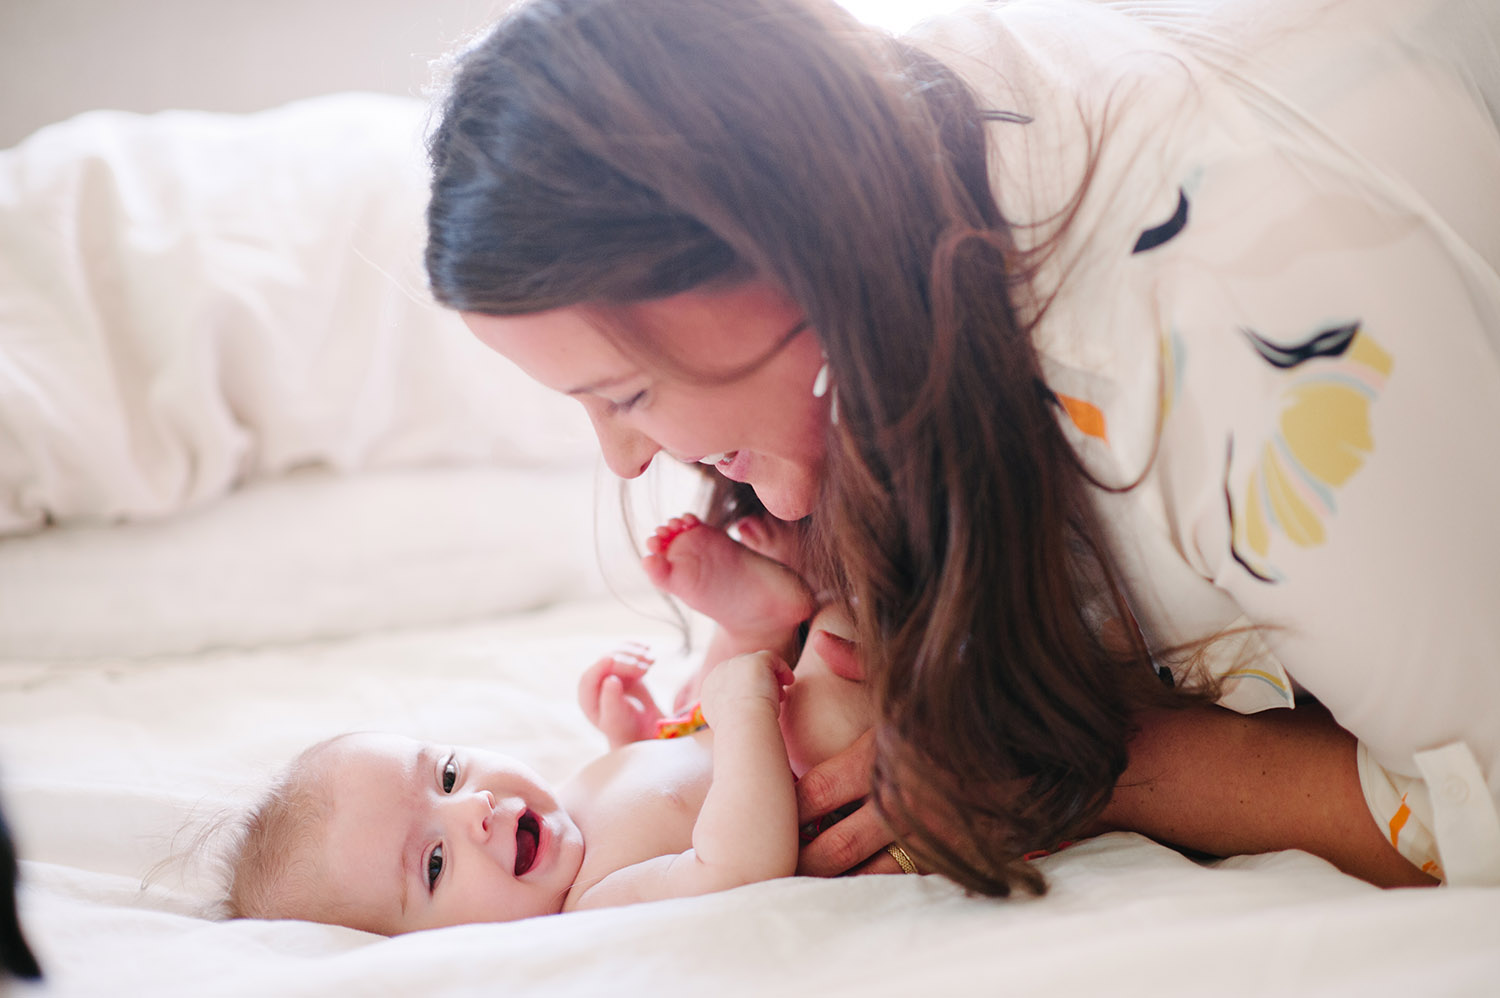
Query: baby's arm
747, 828
749, 818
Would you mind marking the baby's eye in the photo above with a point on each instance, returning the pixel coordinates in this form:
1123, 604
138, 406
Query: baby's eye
434, 866
450, 776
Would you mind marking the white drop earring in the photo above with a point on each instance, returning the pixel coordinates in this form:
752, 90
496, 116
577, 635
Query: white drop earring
822, 386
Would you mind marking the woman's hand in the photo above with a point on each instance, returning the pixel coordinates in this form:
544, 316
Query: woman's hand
854, 844
614, 697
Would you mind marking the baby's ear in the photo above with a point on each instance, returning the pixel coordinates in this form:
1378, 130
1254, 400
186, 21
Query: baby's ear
835, 619
837, 652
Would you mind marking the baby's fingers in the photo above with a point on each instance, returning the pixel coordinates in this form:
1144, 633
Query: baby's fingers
614, 707
632, 656
783, 672
628, 663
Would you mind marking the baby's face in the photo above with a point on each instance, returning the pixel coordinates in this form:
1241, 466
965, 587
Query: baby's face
421, 836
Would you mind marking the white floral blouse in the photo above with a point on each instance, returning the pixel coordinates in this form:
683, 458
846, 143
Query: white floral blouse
1278, 308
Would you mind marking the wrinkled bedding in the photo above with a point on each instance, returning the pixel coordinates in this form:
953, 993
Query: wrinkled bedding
111, 763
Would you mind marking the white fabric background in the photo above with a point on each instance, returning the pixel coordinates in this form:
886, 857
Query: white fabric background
190, 301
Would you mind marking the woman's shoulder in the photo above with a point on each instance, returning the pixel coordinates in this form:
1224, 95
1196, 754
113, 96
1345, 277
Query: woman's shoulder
1100, 112
1037, 51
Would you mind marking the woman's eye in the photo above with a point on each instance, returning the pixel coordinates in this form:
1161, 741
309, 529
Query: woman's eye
434, 866
450, 776
619, 408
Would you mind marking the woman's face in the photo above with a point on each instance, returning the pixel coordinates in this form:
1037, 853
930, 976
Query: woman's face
765, 428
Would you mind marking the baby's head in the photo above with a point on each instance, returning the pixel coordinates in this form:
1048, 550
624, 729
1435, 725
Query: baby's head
390, 835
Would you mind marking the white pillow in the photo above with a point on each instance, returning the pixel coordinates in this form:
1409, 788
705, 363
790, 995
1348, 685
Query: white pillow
318, 555
189, 301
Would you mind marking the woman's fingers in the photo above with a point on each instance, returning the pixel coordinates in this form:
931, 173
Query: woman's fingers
850, 844
836, 781
880, 863
830, 786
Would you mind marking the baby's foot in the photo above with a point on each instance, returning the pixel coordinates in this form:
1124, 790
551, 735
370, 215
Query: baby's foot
743, 591
776, 539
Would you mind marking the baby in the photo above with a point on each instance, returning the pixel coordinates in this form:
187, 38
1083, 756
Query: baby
391, 835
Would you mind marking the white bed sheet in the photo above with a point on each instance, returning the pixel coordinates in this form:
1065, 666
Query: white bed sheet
108, 758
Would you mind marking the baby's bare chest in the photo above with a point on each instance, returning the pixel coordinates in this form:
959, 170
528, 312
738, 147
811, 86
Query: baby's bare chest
640, 802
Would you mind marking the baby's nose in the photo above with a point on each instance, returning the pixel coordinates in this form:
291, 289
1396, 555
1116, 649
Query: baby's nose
486, 807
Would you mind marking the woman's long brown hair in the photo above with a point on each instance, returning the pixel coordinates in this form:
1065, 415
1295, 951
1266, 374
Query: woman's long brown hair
601, 152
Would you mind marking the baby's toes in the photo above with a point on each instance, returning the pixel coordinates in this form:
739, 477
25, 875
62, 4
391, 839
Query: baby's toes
669, 532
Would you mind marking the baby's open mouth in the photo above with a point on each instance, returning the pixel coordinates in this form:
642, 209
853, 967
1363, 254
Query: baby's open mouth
528, 832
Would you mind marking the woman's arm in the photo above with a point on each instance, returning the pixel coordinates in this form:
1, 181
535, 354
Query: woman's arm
1200, 778
1225, 784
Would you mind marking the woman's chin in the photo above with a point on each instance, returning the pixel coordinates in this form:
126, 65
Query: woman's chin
784, 504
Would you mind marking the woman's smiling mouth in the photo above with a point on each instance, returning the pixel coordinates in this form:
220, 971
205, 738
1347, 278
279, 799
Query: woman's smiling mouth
718, 459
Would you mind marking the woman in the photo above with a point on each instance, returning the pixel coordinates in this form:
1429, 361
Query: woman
1084, 351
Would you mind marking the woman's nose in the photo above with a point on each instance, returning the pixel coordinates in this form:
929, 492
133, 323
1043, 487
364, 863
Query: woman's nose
628, 452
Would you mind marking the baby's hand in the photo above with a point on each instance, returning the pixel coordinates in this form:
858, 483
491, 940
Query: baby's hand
614, 698
740, 683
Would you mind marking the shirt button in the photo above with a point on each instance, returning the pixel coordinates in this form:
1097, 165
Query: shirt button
1455, 790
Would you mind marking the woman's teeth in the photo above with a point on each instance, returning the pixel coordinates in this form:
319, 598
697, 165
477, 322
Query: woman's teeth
718, 458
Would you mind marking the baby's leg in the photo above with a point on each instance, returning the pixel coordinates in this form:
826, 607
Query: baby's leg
758, 603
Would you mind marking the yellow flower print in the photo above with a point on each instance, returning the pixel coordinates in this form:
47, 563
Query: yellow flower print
1321, 440
1173, 361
